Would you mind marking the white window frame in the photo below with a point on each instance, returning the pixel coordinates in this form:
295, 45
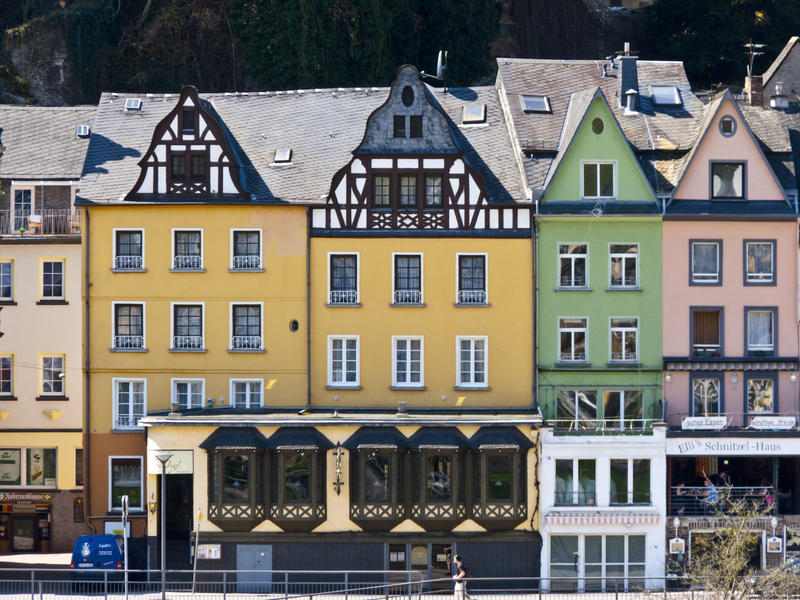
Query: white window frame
344, 384
358, 277
173, 384
623, 330
111, 482
757, 277
11, 356
175, 230
115, 395
472, 383
393, 299
629, 479
606, 587
114, 304
585, 330
485, 256
773, 329
623, 422
12, 204
695, 275
623, 257
614, 176
236, 230
232, 396
53, 259
230, 325
114, 233
408, 384
63, 356
172, 306
9, 261
576, 484
572, 258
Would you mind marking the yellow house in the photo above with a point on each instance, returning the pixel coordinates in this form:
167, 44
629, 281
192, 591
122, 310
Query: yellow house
41, 384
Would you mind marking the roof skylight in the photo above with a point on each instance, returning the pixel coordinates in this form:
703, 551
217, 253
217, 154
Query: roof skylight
474, 113
665, 95
133, 104
535, 103
283, 155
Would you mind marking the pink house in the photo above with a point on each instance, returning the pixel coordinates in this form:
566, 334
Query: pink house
730, 336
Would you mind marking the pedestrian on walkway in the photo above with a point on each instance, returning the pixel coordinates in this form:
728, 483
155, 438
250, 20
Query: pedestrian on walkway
461, 576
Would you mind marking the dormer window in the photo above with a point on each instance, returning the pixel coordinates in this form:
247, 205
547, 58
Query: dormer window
381, 191
188, 121
665, 95
727, 126
535, 103
178, 167
727, 181
399, 126
198, 167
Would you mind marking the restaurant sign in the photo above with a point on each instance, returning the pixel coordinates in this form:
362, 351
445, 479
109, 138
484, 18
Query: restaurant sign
27, 497
707, 423
731, 446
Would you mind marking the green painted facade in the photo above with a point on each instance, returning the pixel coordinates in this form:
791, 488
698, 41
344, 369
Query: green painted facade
598, 301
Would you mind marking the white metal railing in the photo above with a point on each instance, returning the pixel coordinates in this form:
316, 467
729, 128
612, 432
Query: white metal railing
187, 261
248, 261
125, 262
623, 356
573, 281
629, 281
128, 342
408, 297
187, 342
344, 296
127, 421
702, 350
576, 355
246, 342
472, 296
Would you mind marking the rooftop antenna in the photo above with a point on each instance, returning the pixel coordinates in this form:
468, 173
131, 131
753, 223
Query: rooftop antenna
441, 69
753, 50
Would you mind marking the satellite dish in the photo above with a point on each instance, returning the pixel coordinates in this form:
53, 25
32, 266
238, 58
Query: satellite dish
441, 64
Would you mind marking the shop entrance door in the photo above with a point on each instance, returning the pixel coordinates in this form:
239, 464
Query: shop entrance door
434, 561
23, 535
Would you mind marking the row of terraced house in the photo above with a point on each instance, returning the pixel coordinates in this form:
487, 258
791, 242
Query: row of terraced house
374, 327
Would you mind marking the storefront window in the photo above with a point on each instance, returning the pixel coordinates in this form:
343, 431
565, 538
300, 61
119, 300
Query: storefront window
10, 466
378, 477
126, 479
41, 466
236, 484
605, 563
439, 471
563, 562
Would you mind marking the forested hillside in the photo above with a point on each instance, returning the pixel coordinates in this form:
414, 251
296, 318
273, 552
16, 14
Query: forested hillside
67, 51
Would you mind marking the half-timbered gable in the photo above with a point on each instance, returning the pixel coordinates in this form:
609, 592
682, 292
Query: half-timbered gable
189, 156
413, 171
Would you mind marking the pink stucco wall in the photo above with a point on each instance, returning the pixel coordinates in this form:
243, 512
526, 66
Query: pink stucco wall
733, 295
759, 181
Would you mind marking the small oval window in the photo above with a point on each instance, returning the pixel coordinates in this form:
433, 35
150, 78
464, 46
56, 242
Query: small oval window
408, 95
727, 126
598, 126
294, 325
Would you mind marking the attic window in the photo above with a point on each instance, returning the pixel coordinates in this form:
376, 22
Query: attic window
188, 121
665, 95
539, 104
82, 131
727, 126
408, 95
283, 155
133, 104
474, 113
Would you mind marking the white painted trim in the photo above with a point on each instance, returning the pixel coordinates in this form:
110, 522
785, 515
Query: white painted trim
63, 356
172, 306
558, 337
114, 244
355, 383
610, 335
358, 274
485, 271
175, 380
472, 338
231, 304
114, 320
260, 243
11, 204
410, 384
39, 182
115, 396
615, 178
638, 265
558, 265
174, 230
111, 459
235, 380
421, 273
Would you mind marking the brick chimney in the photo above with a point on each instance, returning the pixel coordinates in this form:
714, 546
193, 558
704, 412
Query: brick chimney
754, 88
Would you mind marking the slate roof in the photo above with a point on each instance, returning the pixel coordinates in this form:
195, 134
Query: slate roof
767, 75
669, 129
321, 127
41, 142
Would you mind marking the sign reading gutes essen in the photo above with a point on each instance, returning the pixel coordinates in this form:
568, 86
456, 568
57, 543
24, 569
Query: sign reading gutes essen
733, 447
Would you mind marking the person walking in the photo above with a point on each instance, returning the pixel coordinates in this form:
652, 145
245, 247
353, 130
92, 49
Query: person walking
461, 576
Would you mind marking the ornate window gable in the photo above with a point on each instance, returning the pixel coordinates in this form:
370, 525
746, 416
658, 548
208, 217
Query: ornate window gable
408, 173
189, 157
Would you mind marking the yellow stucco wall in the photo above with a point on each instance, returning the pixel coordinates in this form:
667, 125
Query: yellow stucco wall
507, 322
281, 289
65, 443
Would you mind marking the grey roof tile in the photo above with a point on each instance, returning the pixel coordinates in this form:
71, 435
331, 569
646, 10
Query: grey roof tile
42, 142
767, 75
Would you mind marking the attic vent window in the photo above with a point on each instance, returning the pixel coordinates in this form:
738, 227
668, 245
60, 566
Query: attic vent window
283, 155
727, 126
407, 96
474, 113
82, 131
133, 104
598, 125
665, 95
537, 104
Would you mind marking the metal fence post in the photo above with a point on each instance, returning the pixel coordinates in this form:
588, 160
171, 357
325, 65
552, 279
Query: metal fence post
286, 585
33, 586
224, 585
105, 584
346, 585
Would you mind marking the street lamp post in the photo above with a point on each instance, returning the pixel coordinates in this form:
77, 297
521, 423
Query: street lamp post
163, 459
